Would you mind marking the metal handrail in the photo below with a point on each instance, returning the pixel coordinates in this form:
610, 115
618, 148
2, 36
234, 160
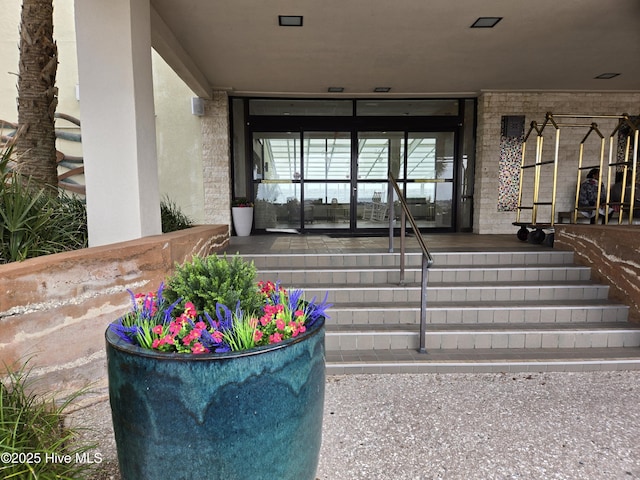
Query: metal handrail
427, 259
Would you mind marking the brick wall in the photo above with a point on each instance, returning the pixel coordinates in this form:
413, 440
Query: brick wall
55, 308
493, 105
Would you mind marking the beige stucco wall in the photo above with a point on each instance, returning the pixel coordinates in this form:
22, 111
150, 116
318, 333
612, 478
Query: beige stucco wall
179, 143
534, 105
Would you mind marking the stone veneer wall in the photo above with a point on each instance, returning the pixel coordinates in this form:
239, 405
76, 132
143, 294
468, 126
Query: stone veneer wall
613, 253
55, 308
534, 105
216, 160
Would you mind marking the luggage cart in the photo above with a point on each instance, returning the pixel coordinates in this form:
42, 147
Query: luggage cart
628, 168
581, 168
539, 229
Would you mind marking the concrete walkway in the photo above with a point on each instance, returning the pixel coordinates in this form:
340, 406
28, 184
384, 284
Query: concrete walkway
567, 426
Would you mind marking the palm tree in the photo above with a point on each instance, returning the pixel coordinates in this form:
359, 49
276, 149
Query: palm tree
37, 94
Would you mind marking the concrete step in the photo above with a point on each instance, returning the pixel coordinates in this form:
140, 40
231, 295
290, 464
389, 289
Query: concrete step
486, 311
510, 360
301, 276
548, 311
412, 259
483, 336
459, 292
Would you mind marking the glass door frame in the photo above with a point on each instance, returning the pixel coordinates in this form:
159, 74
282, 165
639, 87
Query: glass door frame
354, 126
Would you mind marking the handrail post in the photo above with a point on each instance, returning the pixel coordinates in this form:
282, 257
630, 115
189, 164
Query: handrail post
427, 259
391, 213
403, 226
423, 305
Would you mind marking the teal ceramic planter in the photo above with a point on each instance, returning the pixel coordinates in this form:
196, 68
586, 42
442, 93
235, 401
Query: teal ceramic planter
238, 416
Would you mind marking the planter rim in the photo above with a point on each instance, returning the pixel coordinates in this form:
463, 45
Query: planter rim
117, 343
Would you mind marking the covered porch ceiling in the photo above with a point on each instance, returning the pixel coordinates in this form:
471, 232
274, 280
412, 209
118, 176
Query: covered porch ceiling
413, 47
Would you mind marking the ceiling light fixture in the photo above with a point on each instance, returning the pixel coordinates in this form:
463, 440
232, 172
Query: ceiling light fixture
606, 76
335, 89
382, 89
486, 22
290, 20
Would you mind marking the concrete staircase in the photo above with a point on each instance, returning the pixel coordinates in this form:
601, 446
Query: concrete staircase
487, 312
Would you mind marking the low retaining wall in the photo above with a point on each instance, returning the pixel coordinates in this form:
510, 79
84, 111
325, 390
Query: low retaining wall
55, 309
613, 253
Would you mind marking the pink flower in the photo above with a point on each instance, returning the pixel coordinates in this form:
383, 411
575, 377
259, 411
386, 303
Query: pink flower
190, 310
298, 313
280, 324
275, 338
156, 343
217, 336
201, 326
157, 329
257, 336
198, 348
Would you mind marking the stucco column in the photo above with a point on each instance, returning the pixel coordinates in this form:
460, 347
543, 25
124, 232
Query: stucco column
118, 125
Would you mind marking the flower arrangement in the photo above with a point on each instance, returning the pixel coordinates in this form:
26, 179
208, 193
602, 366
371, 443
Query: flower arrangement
157, 324
241, 202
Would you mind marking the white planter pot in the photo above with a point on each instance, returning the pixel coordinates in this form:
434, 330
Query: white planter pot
242, 220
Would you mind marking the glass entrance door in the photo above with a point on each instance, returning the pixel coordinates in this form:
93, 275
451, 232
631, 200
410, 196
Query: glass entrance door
327, 179
428, 178
422, 163
309, 180
302, 181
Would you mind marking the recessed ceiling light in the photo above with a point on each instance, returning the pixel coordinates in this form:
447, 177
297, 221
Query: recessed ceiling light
290, 20
606, 76
486, 22
335, 89
381, 89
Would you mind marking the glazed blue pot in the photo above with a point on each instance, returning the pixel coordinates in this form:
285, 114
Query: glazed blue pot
254, 415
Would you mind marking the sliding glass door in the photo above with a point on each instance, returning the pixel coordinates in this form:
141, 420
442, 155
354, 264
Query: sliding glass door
302, 180
327, 179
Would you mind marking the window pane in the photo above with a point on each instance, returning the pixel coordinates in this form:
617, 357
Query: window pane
378, 150
276, 156
406, 108
332, 108
326, 205
430, 156
327, 156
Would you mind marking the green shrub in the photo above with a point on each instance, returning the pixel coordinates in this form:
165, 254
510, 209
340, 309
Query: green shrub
35, 222
172, 217
32, 431
211, 280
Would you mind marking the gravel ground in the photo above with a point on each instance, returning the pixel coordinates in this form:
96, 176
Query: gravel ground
462, 426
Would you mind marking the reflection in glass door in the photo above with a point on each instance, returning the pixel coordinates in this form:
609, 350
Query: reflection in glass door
377, 152
302, 181
428, 178
277, 163
327, 179
423, 165
307, 181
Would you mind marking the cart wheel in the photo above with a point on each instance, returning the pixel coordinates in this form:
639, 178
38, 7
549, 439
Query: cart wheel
523, 234
536, 236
